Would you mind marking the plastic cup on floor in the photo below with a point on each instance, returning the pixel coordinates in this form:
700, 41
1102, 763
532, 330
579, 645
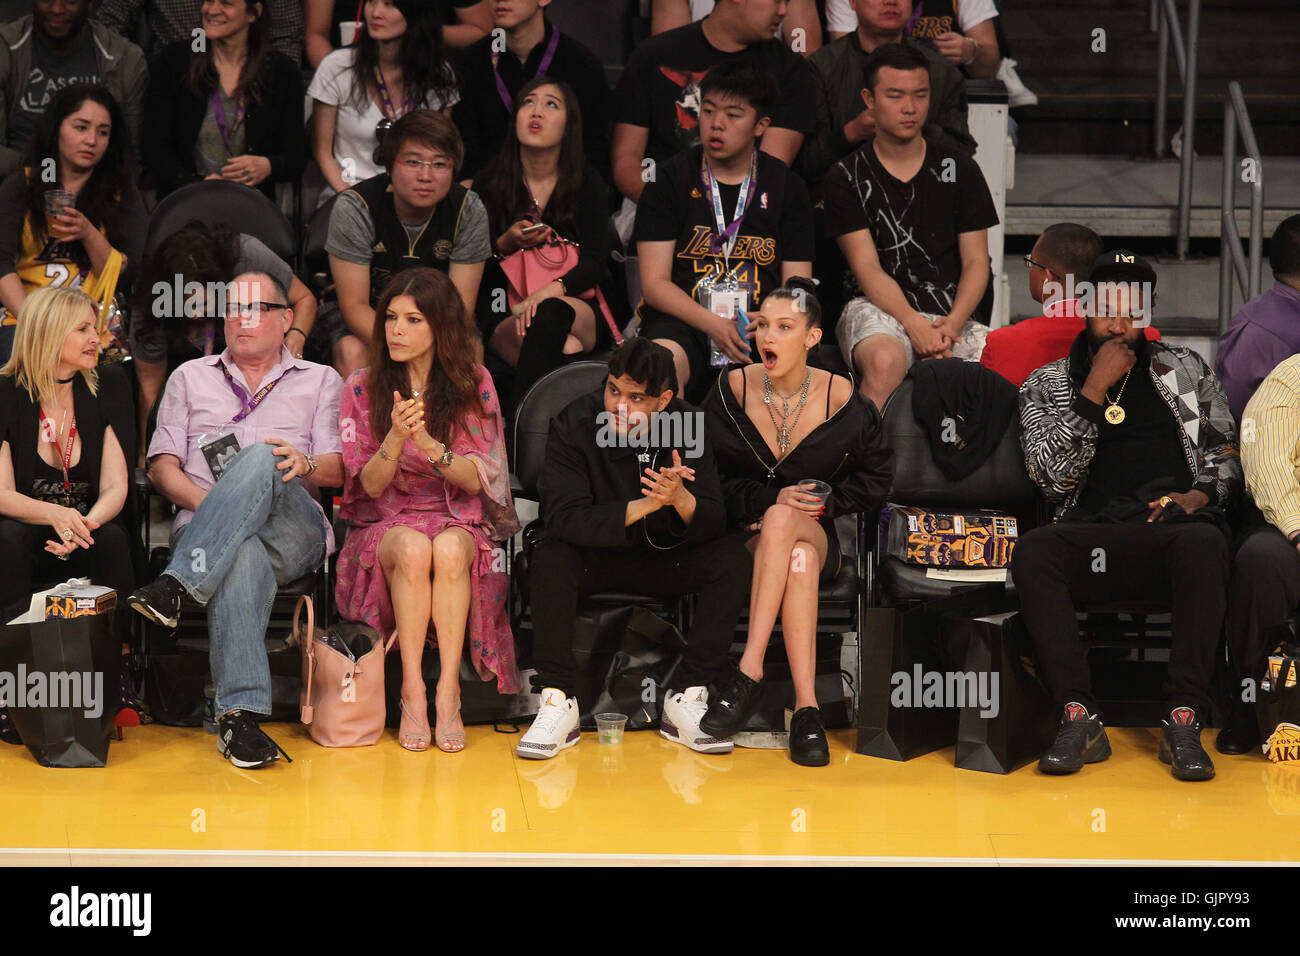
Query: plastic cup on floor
610, 728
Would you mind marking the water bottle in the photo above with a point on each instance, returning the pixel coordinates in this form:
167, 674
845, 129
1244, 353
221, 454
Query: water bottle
210, 708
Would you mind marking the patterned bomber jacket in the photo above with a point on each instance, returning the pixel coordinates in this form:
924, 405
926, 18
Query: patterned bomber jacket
1059, 442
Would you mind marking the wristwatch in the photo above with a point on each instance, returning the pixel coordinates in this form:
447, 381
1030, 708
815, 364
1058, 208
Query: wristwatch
311, 465
444, 460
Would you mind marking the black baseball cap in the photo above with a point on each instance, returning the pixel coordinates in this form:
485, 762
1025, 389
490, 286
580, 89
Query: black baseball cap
1120, 265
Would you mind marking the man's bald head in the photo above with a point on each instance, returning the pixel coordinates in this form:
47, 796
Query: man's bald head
1067, 249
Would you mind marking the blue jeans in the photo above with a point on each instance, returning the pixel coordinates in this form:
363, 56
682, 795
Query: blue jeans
251, 534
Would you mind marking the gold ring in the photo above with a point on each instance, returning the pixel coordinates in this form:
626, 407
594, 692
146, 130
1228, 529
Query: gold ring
66, 534
1166, 501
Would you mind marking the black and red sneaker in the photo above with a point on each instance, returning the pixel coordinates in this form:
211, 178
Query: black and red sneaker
1181, 747
1081, 739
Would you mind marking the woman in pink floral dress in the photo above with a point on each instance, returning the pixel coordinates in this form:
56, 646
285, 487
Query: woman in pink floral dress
427, 498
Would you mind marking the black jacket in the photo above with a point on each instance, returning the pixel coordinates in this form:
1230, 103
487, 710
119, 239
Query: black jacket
585, 488
847, 451
965, 410
173, 115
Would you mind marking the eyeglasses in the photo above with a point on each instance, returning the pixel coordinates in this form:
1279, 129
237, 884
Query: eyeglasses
237, 310
435, 165
1030, 263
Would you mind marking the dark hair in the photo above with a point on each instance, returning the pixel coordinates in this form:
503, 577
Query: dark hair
202, 77
647, 363
99, 199
895, 56
452, 390
427, 127
1070, 249
501, 183
423, 62
280, 291
803, 293
1284, 248
740, 80
198, 252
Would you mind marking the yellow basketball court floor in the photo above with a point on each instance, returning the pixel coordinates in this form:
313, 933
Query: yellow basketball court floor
167, 797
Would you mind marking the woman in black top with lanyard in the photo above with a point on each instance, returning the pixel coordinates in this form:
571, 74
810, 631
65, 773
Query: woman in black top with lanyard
67, 432
232, 110
774, 427
543, 200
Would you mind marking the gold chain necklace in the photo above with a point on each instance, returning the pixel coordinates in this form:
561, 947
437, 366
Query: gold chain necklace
1115, 414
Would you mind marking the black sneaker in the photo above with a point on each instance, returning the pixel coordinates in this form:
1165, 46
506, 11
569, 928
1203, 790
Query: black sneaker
243, 742
808, 745
1081, 739
1240, 733
160, 602
1181, 747
731, 702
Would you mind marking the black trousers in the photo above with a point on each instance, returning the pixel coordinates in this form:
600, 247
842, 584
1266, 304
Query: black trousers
560, 574
108, 563
1063, 567
1263, 592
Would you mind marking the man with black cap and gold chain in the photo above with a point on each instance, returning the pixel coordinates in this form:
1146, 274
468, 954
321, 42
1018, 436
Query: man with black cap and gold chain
1133, 444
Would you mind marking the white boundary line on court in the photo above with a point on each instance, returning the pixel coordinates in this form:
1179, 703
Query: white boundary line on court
522, 856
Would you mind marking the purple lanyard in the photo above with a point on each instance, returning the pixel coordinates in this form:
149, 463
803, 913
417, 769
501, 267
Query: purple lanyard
910, 27
724, 235
386, 101
242, 394
219, 114
542, 67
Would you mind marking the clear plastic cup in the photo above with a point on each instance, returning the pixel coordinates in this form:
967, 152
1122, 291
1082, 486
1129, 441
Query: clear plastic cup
815, 486
56, 200
609, 727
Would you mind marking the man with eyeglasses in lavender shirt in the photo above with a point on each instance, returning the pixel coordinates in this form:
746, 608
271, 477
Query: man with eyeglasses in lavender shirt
243, 440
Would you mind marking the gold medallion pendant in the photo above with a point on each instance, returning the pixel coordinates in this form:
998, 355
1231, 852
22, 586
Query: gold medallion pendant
1114, 414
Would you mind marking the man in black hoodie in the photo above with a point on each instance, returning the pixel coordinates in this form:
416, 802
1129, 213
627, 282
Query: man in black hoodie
631, 501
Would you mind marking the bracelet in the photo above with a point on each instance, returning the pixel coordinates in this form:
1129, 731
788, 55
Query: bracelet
311, 460
973, 53
564, 289
384, 455
294, 328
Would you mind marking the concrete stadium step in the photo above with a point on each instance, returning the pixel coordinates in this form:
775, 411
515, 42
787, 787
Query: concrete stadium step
1124, 198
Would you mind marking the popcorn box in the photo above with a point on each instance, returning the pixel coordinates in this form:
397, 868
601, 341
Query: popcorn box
78, 599
972, 539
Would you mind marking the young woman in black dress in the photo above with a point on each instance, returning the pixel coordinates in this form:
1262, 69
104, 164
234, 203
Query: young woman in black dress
775, 425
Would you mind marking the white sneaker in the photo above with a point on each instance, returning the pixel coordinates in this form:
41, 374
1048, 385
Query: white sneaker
1017, 93
681, 722
554, 728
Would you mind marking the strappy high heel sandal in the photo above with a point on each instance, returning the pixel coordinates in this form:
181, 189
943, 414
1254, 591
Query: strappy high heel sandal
409, 739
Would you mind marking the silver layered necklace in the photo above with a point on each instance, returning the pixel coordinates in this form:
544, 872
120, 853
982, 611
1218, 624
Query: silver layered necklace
785, 428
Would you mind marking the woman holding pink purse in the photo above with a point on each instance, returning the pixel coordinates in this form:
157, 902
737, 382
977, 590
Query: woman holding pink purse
549, 216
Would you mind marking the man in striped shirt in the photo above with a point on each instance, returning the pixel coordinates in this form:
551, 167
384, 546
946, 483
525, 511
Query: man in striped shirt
1265, 584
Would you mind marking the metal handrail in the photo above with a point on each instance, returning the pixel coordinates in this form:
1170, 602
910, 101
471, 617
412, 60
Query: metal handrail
1164, 16
1236, 122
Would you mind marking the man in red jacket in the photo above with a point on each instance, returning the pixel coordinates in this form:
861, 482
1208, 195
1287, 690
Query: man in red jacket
1058, 266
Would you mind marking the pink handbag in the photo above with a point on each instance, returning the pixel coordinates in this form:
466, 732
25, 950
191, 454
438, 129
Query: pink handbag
342, 690
527, 270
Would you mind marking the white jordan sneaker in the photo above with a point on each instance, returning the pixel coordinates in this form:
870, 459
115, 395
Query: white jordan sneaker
554, 728
681, 722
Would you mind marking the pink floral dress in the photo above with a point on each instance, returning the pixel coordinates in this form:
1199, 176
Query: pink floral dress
419, 498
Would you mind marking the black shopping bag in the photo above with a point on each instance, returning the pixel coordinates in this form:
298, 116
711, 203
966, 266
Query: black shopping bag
1278, 705
59, 678
626, 658
1014, 722
899, 647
